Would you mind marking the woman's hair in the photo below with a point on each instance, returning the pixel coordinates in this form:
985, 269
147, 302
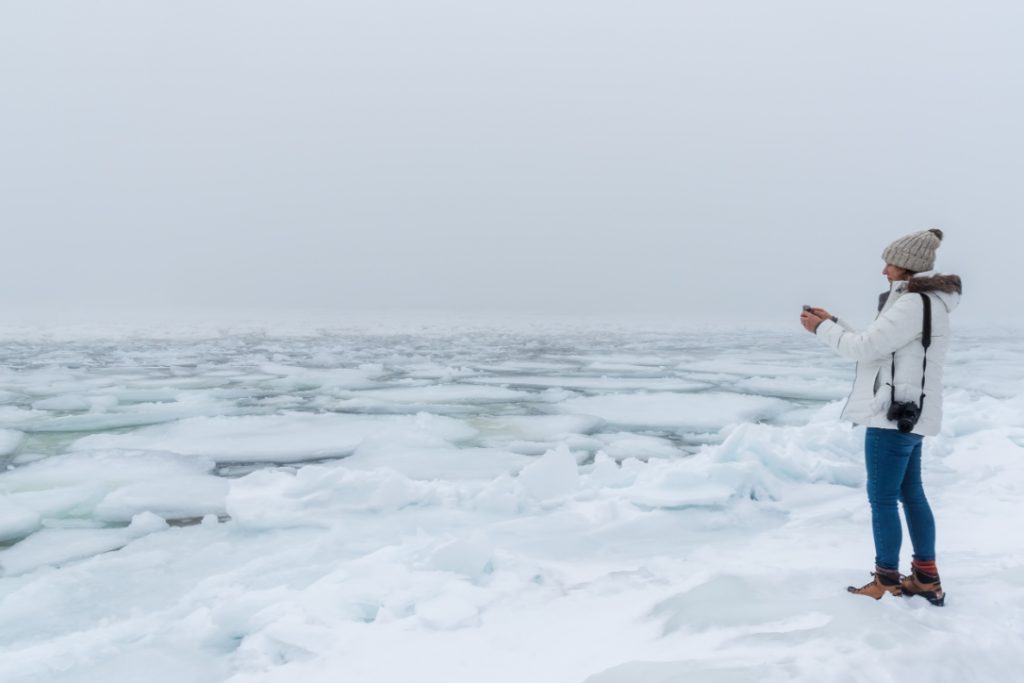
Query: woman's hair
910, 273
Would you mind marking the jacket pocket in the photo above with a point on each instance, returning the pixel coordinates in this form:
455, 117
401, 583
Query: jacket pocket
881, 400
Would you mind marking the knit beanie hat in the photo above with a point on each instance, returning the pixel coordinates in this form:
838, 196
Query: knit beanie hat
915, 252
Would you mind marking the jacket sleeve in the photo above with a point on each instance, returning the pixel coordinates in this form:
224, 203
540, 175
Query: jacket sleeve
845, 325
892, 330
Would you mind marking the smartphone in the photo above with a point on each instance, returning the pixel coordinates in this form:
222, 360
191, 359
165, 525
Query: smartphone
808, 308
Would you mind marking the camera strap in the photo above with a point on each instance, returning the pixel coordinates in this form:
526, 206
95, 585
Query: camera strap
926, 341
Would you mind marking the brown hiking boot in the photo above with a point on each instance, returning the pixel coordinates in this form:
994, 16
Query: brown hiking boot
886, 581
925, 585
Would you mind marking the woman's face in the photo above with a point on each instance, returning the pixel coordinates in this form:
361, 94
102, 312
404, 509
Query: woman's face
894, 273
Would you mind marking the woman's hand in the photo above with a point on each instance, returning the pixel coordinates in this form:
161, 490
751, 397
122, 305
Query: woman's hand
810, 320
821, 313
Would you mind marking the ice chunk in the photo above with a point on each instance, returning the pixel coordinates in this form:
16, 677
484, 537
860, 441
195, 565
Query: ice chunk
746, 367
126, 396
447, 393
182, 383
607, 473
59, 546
174, 497
16, 521
281, 438
67, 402
318, 495
147, 523
138, 414
622, 445
602, 384
535, 427
435, 371
966, 414
297, 378
703, 411
499, 497
115, 485
10, 439
13, 417
553, 475
470, 557
436, 463
828, 452
695, 482
825, 388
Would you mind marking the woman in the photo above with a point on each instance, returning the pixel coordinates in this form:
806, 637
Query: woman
894, 345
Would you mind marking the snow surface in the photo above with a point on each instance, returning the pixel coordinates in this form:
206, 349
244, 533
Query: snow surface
473, 505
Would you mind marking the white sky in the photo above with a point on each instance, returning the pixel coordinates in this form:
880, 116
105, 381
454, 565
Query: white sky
689, 159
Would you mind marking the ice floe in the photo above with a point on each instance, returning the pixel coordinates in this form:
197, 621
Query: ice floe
448, 393
111, 486
10, 439
606, 384
703, 411
642, 526
279, 438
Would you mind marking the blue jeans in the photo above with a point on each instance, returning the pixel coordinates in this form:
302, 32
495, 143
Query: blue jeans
893, 462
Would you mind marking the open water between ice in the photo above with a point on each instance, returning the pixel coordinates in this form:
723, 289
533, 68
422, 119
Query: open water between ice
485, 505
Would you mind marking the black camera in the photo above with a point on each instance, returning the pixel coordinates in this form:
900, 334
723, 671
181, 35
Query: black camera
905, 414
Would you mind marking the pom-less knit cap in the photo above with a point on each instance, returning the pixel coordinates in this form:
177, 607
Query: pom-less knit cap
915, 251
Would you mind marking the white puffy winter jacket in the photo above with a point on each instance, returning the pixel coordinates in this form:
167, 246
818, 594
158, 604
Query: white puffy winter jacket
897, 329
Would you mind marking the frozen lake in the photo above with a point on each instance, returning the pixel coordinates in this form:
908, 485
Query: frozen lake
518, 504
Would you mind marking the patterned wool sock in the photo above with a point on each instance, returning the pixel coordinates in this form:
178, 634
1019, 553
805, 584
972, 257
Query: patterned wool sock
926, 570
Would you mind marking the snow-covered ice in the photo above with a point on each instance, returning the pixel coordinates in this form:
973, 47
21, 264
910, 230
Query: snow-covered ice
285, 437
706, 411
9, 441
602, 383
561, 505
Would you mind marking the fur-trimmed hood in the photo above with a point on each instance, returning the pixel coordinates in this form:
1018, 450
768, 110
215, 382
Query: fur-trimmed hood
949, 284
947, 288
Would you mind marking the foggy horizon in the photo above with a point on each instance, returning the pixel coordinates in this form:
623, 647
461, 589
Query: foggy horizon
692, 162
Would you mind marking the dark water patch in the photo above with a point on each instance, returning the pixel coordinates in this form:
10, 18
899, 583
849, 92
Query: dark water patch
195, 521
237, 470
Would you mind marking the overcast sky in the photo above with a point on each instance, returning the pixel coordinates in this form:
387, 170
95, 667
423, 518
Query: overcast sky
690, 159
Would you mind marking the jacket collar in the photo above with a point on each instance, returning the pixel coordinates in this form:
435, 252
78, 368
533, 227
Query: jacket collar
901, 285
946, 287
